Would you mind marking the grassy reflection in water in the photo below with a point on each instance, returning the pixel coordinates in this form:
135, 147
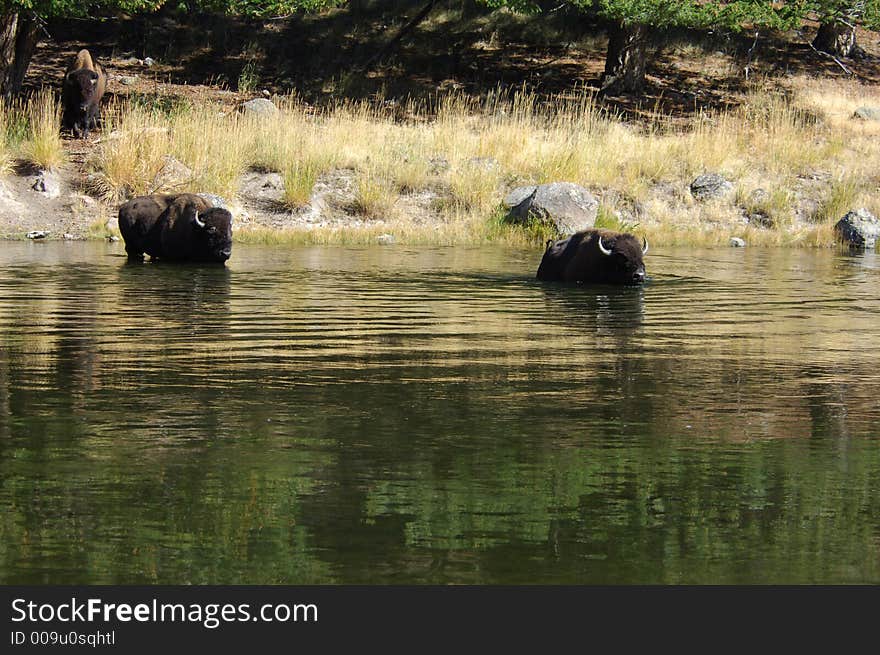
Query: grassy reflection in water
330, 415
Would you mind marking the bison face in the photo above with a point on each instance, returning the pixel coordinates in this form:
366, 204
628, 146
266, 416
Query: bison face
623, 263
83, 84
212, 235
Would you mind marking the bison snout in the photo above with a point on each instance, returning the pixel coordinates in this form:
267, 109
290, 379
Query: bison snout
225, 254
639, 277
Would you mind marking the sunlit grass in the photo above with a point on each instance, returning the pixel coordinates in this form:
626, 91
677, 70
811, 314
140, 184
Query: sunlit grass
841, 197
374, 196
779, 148
42, 145
5, 149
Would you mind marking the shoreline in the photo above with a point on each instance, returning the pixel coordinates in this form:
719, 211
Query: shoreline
73, 215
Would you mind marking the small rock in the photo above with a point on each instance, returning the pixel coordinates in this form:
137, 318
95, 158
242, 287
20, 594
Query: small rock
859, 229
112, 238
438, 164
215, 200
260, 107
88, 201
761, 219
37, 234
266, 93
386, 239
67, 236
758, 196
48, 183
484, 163
149, 61
736, 242
867, 113
710, 185
128, 80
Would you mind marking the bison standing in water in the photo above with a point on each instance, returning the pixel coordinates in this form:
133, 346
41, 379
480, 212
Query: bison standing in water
182, 227
595, 256
84, 84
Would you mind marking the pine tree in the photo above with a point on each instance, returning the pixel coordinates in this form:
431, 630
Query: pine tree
636, 24
838, 20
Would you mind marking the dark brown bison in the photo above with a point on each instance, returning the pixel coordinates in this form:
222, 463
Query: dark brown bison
84, 84
183, 227
595, 256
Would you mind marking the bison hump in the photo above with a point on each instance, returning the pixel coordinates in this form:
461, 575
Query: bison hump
83, 60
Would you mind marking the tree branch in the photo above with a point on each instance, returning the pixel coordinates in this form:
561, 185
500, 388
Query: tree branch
836, 60
406, 29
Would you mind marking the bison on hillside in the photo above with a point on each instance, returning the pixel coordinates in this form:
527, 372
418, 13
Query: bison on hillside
182, 227
84, 84
595, 256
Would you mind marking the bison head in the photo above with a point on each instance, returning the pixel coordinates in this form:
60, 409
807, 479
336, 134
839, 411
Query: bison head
84, 90
212, 235
622, 255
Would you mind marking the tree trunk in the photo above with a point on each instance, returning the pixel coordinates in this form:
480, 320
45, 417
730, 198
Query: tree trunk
19, 34
836, 38
626, 60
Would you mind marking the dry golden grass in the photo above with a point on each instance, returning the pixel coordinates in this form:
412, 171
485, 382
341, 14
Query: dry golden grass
42, 145
795, 156
5, 149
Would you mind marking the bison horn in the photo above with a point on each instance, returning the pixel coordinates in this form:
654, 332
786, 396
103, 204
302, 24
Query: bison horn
603, 249
199, 224
645, 246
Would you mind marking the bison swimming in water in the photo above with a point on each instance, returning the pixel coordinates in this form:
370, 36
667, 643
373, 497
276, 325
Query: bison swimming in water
595, 256
182, 227
84, 84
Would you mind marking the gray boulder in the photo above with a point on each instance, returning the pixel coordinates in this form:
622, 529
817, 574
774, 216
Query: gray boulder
48, 183
173, 175
867, 113
569, 207
736, 242
260, 107
859, 229
215, 200
709, 186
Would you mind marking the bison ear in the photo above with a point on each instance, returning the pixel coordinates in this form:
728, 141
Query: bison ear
69, 76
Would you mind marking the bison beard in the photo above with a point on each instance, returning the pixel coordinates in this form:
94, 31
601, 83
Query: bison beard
594, 256
175, 228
